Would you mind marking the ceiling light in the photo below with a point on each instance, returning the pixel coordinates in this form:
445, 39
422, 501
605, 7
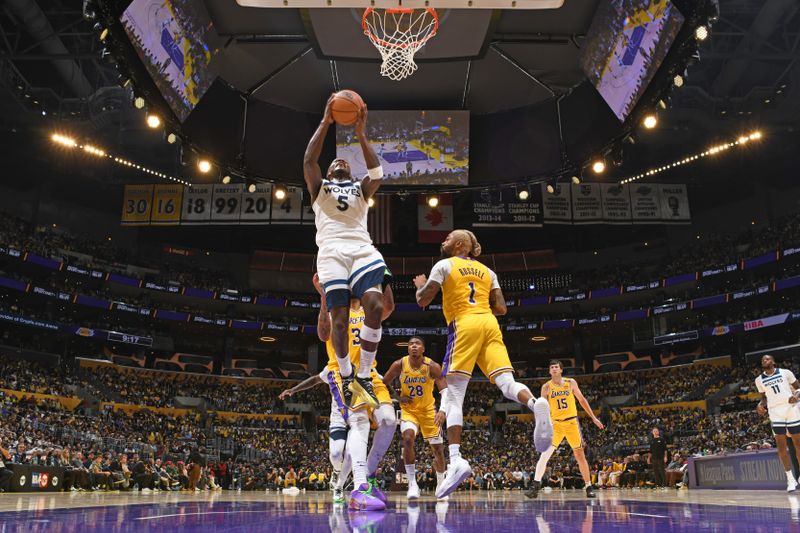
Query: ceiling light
138, 102
701, 33
650, 122
280, 193
251, 188
433, 201
266, 338
598, 167
523, 194
226, 179
576, 180
550, 189
539, 338
371, 202
153, 121
678, 80
204, 165
172, 138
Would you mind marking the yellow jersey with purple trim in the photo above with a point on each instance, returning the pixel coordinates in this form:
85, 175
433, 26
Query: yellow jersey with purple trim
465, 288
417, 384
562, 401
355, 323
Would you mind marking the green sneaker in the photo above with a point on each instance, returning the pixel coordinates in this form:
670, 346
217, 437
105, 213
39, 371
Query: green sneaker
374, 490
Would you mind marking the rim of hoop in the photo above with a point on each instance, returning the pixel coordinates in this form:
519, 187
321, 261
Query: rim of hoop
392, 10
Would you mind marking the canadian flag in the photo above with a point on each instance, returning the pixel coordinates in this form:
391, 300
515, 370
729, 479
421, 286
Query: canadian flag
434, 223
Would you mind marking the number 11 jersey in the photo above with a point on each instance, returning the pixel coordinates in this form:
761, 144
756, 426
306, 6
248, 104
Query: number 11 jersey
777, 387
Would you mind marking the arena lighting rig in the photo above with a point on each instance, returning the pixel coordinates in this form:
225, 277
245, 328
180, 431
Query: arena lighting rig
744, 139
69, 142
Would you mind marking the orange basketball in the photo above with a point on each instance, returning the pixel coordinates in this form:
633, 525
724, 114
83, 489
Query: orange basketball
346, 106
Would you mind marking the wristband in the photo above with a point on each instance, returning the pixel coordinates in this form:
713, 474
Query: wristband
376, 173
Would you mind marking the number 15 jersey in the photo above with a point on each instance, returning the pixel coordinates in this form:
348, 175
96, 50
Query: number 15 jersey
562, 401
466, 285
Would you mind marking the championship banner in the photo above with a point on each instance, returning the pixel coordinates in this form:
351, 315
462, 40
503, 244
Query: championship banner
256, 205
197, 204
505, 209
290, 209
166, 205
557, 207
587, 206
434, 223
137, 202
674, 204
645, 203
616, 203
226, 203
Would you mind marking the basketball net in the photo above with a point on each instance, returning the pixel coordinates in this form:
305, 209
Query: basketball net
398, 34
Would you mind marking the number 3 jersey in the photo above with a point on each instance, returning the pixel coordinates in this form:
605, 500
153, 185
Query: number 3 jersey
466, 285
417, 384
777, 387
341, 213
356, 322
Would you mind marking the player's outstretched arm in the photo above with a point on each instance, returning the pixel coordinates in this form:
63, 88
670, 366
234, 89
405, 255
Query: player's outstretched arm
497, 302
311, 171
308, 383
370, 184
585, 404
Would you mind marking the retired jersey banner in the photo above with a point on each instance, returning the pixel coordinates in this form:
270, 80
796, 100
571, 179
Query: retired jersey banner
226, 204
197, 204
167, 205
434, 223
290, 209
504, 208
587, 206
645, 203
616, 203
137, 203
256, 205
674, 204
557, 206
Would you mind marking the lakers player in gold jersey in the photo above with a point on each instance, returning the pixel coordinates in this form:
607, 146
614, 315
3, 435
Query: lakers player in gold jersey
471, 297
417, 375
561, 393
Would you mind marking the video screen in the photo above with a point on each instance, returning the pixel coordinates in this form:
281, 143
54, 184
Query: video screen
626, 44
414, 147
176, 42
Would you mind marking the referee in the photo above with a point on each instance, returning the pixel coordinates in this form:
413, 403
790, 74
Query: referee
658, 456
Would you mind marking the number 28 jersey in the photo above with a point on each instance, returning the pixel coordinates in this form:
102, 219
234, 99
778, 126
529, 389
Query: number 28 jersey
466, 285
340, 213
777, 387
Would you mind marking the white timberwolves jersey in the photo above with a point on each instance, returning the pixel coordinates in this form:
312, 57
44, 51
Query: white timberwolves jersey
777, 387
341, 213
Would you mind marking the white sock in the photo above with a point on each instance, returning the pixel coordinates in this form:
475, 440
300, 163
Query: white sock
439, 477
541, 464
347, 467
381, 441
365, 364
411, 472
531, 403
345, 367
455, 450
790, 476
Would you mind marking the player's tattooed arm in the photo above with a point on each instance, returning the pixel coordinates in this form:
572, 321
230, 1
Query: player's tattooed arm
309, 383
311, 171
426, 290
497, 302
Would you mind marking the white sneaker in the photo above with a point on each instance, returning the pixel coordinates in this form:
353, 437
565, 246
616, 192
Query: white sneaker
413, 491
443, 498
543, 432
457, 471
791, 486
145, 490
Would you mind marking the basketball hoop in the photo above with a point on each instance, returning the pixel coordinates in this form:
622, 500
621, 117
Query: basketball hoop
398, 33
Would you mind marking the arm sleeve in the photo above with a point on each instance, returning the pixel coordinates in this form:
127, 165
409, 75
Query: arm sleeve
440, 271
759, 386
493, 277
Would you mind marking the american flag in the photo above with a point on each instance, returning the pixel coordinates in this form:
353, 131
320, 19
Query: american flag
379, 220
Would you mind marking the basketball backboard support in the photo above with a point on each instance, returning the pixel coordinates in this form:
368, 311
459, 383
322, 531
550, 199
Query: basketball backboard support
411, 4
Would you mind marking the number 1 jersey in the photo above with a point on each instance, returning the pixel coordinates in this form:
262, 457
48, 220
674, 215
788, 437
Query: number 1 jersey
466, 285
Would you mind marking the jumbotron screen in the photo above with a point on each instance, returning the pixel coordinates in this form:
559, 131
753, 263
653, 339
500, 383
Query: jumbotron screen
414, 147
176, 42
626, 44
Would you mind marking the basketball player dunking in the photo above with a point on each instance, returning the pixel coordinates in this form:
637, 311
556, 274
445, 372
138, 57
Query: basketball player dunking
348, 266
471, 298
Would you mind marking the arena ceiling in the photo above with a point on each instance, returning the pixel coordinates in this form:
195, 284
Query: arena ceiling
53, 72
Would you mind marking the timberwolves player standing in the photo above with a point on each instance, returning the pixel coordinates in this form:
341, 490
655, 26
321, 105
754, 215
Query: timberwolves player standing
349, 266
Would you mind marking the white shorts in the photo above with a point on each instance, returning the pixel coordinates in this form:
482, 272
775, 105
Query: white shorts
785, 418
351, 267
